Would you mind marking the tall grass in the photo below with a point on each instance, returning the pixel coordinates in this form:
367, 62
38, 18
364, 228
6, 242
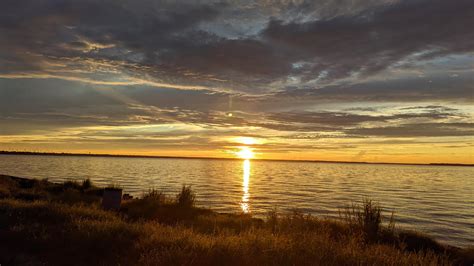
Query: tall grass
186, 197
160, 230
146, 207
366, 218
86, 184
50, 233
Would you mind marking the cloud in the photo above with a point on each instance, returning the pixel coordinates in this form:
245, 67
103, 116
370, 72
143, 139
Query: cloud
30, 106
80, 34
418, 130
159, 73
183, 44
405, 89
332, 124
375, 39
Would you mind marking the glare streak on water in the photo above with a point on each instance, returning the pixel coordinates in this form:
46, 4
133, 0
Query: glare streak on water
437, 200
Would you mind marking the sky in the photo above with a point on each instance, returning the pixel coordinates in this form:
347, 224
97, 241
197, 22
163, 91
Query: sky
346, 80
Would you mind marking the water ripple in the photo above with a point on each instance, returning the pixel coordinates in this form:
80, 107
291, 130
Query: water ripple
434, 199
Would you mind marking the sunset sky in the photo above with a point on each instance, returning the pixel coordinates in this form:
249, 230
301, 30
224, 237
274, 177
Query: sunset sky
351, 80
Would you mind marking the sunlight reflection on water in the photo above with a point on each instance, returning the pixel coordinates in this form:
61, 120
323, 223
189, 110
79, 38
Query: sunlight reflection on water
245, 187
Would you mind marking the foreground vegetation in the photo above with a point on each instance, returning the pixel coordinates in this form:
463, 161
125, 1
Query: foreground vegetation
46, 223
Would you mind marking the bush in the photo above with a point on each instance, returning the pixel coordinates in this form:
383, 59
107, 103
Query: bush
366, 219
71, 185
86, 184
186, 197
155, 195
146, 207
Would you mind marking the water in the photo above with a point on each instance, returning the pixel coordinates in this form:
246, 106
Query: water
437, 200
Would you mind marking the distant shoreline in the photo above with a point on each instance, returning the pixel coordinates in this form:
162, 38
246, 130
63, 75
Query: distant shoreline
209, 158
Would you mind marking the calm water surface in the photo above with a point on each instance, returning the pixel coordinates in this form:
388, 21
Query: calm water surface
437, 200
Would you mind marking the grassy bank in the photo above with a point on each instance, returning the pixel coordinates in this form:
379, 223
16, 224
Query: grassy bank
47, 223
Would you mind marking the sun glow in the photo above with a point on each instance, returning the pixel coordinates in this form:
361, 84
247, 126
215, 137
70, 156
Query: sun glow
245, 153
246, 140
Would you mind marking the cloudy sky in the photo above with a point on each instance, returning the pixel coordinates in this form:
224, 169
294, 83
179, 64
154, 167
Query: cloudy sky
353, 80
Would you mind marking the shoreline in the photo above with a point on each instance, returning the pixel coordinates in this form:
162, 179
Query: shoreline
214, 158
40, 207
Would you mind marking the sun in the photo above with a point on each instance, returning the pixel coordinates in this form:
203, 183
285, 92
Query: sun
245, 153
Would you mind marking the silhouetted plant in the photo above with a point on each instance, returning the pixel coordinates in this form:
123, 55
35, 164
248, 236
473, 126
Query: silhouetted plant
146, 207
86, 183
366, 218
71, 185
186, 197
391, 223
272, 219
155, 195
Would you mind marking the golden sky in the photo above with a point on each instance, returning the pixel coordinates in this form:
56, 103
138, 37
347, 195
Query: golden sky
375, 81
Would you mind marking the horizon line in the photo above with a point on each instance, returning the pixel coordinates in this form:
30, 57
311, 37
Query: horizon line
36, 153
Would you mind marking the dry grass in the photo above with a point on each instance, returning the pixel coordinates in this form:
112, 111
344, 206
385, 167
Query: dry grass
77, 235
156, 230
185, 199
367, 220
